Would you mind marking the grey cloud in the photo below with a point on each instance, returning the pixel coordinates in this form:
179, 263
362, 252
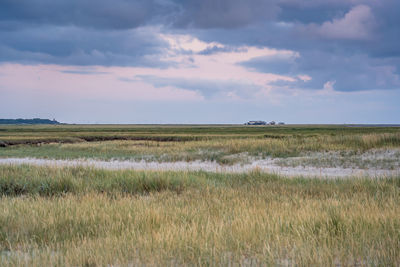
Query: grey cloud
207, 88
376, 32
355, 73
352, 42
281, 64
317, 11
218, 49
356, 45
357, 24
69, 45
231, 14
84, 72
224, 13
127, 14
116, 14
239, 13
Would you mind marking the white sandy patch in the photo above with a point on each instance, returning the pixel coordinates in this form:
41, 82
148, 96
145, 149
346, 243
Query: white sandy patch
265, 165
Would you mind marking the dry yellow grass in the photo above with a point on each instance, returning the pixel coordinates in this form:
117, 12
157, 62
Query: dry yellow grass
87, 217
223, 219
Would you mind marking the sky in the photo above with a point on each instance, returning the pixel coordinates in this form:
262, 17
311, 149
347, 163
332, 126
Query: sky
200, 61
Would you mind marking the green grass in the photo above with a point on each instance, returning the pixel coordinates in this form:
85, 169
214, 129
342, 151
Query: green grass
28, 180
86, 217
374, 159
76, 133
224, 144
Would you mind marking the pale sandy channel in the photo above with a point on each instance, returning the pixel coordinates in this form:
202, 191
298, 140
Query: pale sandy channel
266, 165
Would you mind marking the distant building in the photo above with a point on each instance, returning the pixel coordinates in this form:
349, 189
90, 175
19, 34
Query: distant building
272, 123
255, 123
281, 123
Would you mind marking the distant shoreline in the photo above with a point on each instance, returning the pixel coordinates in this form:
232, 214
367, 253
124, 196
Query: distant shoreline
28, 121
37, 121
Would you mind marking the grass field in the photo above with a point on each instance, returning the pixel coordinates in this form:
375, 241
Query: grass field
58, 216
222, 144
78, 217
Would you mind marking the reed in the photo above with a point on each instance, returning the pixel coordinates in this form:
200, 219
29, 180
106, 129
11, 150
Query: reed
225, 151
196, 218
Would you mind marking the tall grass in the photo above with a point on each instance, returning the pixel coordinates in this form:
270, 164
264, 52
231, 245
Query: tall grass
195, 218
88, 217
225, 151
29, 180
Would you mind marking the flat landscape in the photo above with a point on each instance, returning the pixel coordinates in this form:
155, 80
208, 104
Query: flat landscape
94, 195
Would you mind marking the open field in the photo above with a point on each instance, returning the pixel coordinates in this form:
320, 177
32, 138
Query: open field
72, 214
87, 217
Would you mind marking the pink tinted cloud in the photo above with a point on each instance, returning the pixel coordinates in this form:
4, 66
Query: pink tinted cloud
357, 24
55, 82
123, 83
220, 67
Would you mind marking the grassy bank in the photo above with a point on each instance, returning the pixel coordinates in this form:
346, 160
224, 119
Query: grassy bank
28, 134
78, 216
225, 150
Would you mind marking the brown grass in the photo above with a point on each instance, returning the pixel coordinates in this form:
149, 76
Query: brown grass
216, 219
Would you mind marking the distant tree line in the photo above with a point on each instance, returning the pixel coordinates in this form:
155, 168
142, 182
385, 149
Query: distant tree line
28, 121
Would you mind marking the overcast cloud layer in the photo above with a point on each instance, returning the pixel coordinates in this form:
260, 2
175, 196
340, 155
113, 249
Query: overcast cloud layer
209, 51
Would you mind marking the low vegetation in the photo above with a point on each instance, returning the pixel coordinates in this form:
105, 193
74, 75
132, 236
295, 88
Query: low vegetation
86, 217
59, 216
374, 159
225, 145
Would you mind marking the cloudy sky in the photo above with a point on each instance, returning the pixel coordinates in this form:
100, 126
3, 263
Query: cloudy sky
200, 61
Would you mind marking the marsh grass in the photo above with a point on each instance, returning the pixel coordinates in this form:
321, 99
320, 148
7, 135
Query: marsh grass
79, 216
28, 180
223, 151
195, 218
374, 159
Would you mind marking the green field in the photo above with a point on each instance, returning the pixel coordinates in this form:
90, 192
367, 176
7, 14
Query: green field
76, 216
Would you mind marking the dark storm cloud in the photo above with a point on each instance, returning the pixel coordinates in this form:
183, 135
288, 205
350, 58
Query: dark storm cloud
348, 72
69, 45
224, 13
116, 14
127, 14
354, 73
238, 13
316, 11
352, 42
82, 32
